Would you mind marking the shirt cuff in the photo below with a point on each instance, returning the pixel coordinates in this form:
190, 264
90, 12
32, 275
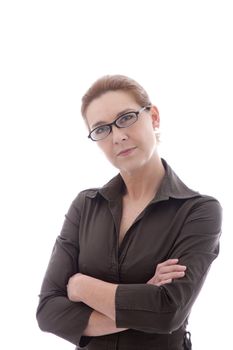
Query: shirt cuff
143, 307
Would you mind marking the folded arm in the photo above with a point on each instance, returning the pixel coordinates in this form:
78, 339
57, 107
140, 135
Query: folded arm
100, 296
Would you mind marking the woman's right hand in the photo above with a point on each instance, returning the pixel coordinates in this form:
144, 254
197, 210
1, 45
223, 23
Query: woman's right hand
166, 272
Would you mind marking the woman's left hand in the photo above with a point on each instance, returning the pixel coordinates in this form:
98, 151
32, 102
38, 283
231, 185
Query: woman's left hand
166, 272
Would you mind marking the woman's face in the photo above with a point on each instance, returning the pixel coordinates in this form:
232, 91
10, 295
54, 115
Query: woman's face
126, 148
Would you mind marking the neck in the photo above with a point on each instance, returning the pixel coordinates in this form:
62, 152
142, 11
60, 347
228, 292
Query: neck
144, 182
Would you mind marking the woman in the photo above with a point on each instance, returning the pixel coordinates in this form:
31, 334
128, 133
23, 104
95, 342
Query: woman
132, 256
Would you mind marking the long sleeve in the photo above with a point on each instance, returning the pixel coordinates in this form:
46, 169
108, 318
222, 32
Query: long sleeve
55, 312
164, 309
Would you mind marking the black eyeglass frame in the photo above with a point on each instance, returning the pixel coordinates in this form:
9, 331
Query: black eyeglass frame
115, 122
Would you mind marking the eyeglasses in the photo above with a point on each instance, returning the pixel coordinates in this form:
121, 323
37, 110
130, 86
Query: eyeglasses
123, 121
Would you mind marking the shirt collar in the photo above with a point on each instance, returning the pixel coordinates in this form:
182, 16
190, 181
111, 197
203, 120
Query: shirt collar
171, 187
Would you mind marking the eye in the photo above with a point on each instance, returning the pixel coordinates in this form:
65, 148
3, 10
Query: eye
126, 119
101, 130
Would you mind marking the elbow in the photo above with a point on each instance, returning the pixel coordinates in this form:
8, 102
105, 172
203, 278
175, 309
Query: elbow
44, 318
163, 323
170, 322
42, 321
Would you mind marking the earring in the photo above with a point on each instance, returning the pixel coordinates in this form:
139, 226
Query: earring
156, 130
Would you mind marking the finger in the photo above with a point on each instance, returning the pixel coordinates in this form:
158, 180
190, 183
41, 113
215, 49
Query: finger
161, 283
171, 268
168, 262
164, 282
172, 275
166, 276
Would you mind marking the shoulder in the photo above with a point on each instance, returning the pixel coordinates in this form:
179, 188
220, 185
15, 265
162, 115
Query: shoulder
87, 193
207, 201
205, 208
77, 205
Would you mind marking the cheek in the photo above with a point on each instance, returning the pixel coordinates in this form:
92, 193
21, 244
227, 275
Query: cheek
145, 132
106, 148
148, 140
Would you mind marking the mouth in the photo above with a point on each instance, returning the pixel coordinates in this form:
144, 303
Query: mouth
126, 152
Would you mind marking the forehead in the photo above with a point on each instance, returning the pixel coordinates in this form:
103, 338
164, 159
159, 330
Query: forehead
106, 107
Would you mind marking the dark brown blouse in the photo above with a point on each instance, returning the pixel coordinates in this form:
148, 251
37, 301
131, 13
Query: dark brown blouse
177, 223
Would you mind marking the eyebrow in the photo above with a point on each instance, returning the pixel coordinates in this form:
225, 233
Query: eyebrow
118, 115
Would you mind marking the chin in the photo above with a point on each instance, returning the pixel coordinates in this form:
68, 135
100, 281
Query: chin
129, 165
130, 168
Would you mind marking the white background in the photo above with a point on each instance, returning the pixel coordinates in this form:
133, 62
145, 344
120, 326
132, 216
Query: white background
51, 51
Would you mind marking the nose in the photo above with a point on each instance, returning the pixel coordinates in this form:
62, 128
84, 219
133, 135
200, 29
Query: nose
118, 134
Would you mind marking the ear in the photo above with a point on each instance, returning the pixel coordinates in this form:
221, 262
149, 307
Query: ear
155, 116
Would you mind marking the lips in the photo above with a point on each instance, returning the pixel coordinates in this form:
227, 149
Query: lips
126, 151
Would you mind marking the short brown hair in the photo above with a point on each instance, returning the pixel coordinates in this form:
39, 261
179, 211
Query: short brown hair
114, 83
